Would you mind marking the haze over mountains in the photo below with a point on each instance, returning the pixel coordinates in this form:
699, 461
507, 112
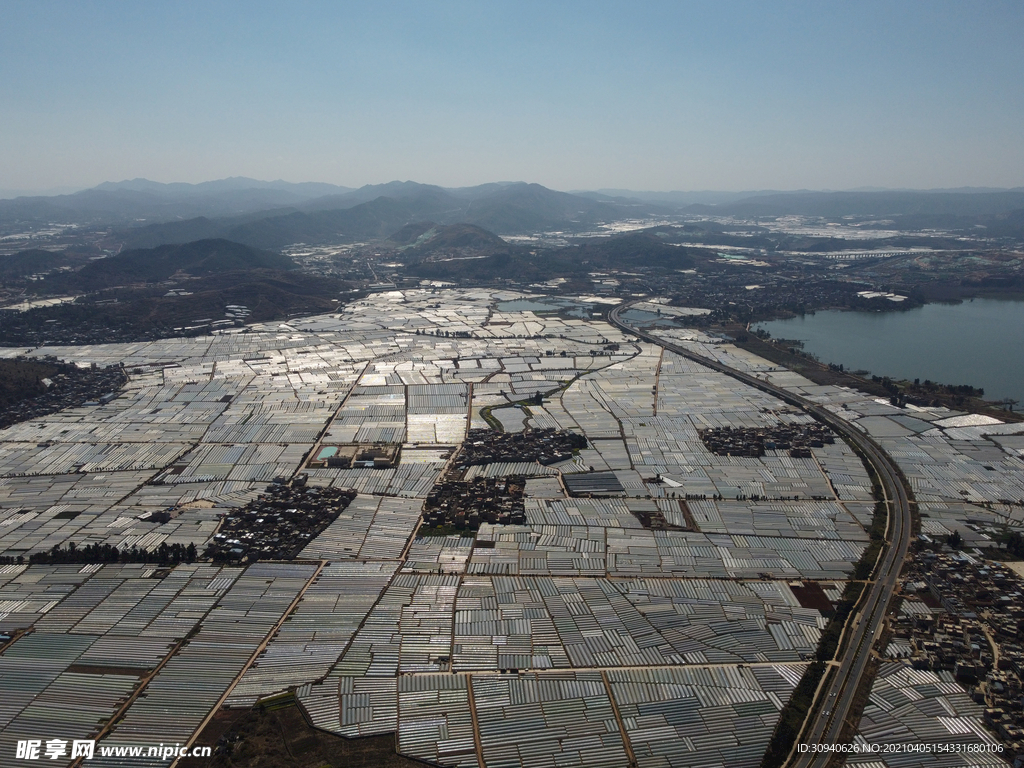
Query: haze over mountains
127, 201
277, 213
148, 260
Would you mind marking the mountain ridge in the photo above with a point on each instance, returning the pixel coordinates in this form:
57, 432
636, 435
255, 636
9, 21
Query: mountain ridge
275, 214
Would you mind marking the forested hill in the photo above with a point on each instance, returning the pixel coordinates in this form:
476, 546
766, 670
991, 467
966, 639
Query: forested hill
149, 265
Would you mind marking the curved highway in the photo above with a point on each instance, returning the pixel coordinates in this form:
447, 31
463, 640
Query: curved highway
831, 708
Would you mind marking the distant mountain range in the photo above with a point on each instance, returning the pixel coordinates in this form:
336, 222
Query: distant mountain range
271, 215
372, 213
125, 202
720, 198
305, 189
837, 204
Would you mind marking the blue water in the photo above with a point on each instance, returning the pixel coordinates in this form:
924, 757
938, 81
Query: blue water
979, 342
641, 318
548, 304
526, 305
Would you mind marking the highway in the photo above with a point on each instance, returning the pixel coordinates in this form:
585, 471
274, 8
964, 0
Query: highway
831, 708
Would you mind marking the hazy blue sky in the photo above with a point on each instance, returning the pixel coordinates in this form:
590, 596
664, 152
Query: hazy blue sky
658, 96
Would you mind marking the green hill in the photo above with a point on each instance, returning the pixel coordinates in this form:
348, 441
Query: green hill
411, 233
150, 265
425, 239
634, 251
150, 312
30, 262
522, 208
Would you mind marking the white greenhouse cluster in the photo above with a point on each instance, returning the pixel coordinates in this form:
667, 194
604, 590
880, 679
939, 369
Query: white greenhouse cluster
578, 638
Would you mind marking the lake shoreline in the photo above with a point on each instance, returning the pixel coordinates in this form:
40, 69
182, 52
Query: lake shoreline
974, 342
821, 373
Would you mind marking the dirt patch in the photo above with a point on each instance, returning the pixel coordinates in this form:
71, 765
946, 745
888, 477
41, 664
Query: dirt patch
811, 595
99, 669
281, 738
691, 524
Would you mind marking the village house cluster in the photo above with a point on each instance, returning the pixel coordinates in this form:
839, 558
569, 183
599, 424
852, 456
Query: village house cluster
467, 504
545, 445
798, 439
972, 629
278, 524
71, 388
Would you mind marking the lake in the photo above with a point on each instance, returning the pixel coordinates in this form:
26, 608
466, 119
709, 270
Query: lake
548, 304
979, 342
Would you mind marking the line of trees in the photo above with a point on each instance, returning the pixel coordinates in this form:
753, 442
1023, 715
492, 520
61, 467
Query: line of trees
93, 554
